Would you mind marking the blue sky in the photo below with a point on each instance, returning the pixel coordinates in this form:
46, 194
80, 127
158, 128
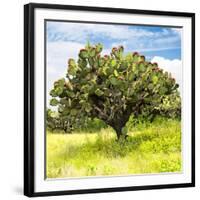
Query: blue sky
148, 40
158, 44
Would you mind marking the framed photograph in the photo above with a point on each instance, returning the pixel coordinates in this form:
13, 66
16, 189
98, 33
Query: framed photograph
109, 99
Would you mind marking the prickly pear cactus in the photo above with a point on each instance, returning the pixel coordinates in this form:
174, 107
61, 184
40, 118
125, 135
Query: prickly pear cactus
111, 87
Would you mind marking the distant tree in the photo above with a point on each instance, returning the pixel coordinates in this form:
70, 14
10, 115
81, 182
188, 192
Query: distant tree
55, 121
111, 87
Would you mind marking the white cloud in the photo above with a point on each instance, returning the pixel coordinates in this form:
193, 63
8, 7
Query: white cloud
58, 54
172, 66
79, 32
177, 31
137, 38
121, 32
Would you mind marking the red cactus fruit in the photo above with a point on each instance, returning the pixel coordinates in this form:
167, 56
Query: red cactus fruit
70, 60
114, 49
135, 53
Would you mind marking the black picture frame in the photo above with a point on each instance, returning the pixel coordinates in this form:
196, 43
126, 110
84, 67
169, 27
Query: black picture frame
29, 104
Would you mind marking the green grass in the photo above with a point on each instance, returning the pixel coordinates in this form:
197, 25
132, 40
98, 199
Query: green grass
150, 148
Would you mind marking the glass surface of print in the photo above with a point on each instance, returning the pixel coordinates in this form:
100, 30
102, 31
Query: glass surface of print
113, 99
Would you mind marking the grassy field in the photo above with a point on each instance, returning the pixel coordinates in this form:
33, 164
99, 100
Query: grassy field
150, 148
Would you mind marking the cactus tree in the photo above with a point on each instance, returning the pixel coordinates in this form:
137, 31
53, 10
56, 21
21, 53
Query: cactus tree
111, 87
